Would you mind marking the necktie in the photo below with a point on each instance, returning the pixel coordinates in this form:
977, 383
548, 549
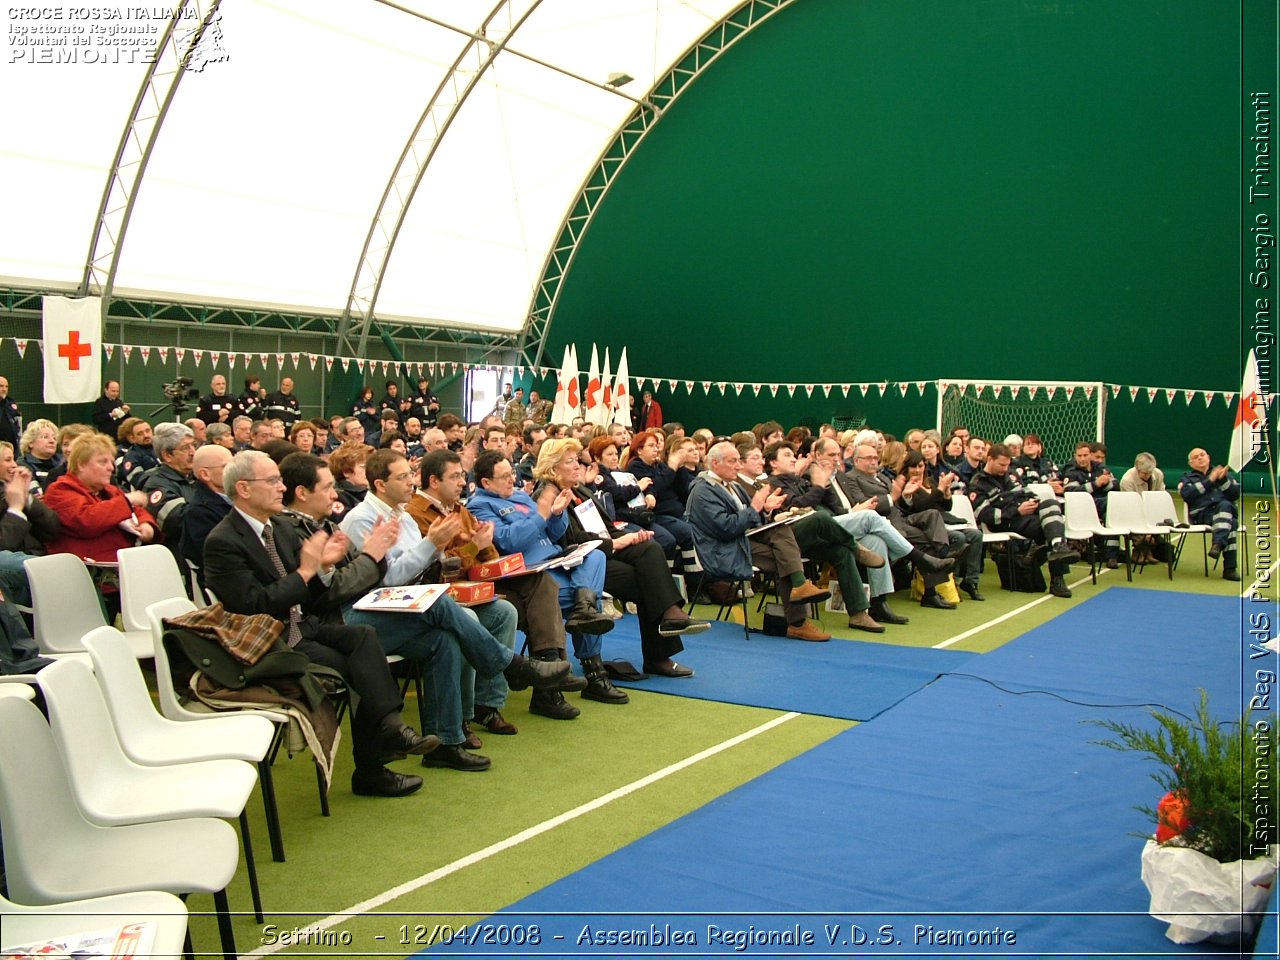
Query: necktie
294, 635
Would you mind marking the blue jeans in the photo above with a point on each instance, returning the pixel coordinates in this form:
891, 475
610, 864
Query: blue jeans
877, 534
13, 577
441, 638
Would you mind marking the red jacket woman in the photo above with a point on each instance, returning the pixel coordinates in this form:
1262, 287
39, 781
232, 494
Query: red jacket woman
97, 518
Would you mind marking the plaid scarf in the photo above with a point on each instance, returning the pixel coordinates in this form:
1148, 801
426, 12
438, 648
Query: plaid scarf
245, 637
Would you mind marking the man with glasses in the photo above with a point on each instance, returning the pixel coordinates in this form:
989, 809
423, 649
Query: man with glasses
169, 486
722, 514
469, 656
257, 564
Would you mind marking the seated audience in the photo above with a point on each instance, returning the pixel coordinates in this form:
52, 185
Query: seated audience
1143, 475
347, 464
1034, 466
39, 449
671, 479
920, 493
1089, 476
208, 502
303, 436
26, 525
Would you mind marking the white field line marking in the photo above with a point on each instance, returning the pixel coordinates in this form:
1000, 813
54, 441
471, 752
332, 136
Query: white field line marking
1262, 580
514, 840
1012, 613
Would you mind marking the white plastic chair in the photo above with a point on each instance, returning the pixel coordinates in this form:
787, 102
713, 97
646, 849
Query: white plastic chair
113, 790
25, 925
53, 854
1043, 491
148, 575
962, 508
1125, 510
174, 709
1160, 511
1242, 543
1081, 516
66, 606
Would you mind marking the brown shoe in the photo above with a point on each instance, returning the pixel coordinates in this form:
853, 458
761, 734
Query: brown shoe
869, 558
807, 630
808, 593
862, 621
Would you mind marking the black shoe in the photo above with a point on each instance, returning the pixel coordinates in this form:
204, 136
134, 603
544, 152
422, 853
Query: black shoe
383, 783
551, 703
935, 601
571, 680
456, 757
584, 617
930, 564
402, 740
881, 613
523, 673
673, 628
1063, 553
1215, 551
599, 687
1058, 587
668, 669
1231, 574
972, 590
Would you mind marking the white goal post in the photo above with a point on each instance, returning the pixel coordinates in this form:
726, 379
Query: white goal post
1061, 412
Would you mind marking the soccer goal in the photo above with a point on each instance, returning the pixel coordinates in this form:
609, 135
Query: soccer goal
1061, 413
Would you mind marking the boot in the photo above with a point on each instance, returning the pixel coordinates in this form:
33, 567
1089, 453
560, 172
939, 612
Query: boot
551, 703
1058, 587
599, 686
570, 682
584, 617
881, 613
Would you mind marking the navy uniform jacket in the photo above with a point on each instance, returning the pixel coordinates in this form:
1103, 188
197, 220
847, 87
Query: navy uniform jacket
168, 493
210, 407
283, 406
1077, 478
1202, 495
995, 499
10, 421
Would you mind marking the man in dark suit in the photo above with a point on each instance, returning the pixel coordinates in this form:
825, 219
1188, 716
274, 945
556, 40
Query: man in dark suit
257, 565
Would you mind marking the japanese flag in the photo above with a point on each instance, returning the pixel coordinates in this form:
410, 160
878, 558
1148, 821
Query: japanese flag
72, 349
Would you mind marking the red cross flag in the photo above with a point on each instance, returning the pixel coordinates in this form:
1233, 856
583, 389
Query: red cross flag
1249, 432
72, 349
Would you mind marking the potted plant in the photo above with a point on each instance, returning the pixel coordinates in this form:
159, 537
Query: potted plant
1210, 865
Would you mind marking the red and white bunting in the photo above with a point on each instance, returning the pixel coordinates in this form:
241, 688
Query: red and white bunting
737, 387
1169, 395
109, 349
920, 385
1088, 392
723, 387
180, 353
1208, 397
1188, 396
146, 354
360, 364
22, 347
163, 353
864, 387
998, 389
755, 388
215, 357
808, 389
346, 364
1151, 394
1071, 392
312, 357
706, 387
1051, 392
773, 389
1230, 398
1115, 390
826, 389
264, 359
688, 386
197, 356
128, 351
328, 363
1133, 393
903, 388
883, 385
791, 389
296, 357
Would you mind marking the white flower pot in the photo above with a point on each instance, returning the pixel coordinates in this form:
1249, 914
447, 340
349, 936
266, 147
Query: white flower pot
1201, 898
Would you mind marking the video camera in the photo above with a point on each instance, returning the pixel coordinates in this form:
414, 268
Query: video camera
180, 393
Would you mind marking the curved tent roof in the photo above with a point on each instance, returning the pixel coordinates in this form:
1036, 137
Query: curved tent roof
436, 145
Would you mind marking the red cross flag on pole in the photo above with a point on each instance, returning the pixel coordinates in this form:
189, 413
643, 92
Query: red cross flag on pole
1250, 429
72, 349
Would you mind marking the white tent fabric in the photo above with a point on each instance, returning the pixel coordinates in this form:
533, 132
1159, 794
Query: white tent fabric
270, 164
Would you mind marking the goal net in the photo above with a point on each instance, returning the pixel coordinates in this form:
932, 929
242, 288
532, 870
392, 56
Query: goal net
1061, 413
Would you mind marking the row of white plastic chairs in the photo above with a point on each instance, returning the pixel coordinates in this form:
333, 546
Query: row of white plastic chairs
1129, 515
108, 797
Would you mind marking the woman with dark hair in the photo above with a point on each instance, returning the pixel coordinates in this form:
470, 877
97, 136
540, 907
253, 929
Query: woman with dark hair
671, 479
635, 568
347, 464
1034, 466
953, 450
627, 496
365, 410
921, 492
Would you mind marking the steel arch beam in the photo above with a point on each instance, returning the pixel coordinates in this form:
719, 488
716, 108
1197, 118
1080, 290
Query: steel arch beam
173, 58
440, 112
736, 25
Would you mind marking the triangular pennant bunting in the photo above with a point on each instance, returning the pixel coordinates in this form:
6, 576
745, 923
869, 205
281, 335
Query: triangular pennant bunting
312, 358
688, 386
920, 385
1071, 392
1151, 393
146, 355
296, 357
706, 387
755, 388
109, 349
180, 353
738, 388
128, 351
163, 353
215, 357
328, 363
808, 389
1208, 397
1088, 392
773, 389
826, 389
1133, 393
903, 388
264, 359
197, 356
1115, 390
1169, 395
883, 387
1188, 396
864, 387
22, 348
1230, 398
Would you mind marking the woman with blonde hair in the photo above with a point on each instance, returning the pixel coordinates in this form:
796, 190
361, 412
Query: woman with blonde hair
635, 567
39, 448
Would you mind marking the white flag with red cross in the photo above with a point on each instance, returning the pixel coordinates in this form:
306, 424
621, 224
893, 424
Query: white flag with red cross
72, 349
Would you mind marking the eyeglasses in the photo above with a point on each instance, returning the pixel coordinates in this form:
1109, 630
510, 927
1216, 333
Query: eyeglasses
277, 480
871, 459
